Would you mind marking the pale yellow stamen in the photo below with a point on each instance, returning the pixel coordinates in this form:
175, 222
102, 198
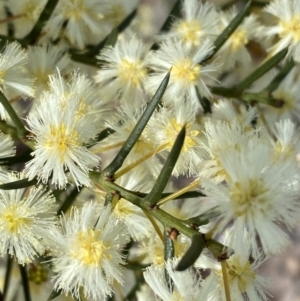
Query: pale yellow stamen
13, 218
60, 139
76, 9
132, 72
122, 209
250, 198
291, 27
82, 109
242, 272
238, 39
116, 14
176, 296
31, 11
2, 75
172, 131
158, 253
89, 250
41, 77
186, 72
180, 248
190, 31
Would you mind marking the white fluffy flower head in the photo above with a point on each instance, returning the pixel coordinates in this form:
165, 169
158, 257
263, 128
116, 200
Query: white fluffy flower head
287, 27
199, 21
26, 218
258, 196
244, 281
186, 70
88, 252
83, 16
59, 137
154, 276
124, 71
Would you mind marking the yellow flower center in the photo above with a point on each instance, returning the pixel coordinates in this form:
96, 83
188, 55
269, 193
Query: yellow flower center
186, 72
2, 74
132, 72
238, 39
291, 27
75, 9
221, 173
88, 250
31, 11
41, 77
242, 273
116, 14
249, 198
82, 109
60, 139
158, 254
190, 31
172, 131
283, 151
122, 209
176, 296
14, 218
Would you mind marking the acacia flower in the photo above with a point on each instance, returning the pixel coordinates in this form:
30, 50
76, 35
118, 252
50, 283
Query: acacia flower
259, 195
164, 127
186, 284
27, 12
26, 219
81, 17
228, 111
7, 147
145, 293
234, 50
118, 10
87, 252
123, 73
244, 281
151, 248
79, 86
187, 72
287, 144
13, 81
199, 21
287, 27
222, 136
43, 61
59, 136
132, 216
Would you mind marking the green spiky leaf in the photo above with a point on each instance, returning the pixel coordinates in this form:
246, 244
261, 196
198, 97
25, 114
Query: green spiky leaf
229, 30
191, 255
18, 184
260, 71
54, 294
280, 76
138, 129
165, 174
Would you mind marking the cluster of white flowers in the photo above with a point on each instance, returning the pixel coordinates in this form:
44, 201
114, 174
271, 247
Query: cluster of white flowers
72, 92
